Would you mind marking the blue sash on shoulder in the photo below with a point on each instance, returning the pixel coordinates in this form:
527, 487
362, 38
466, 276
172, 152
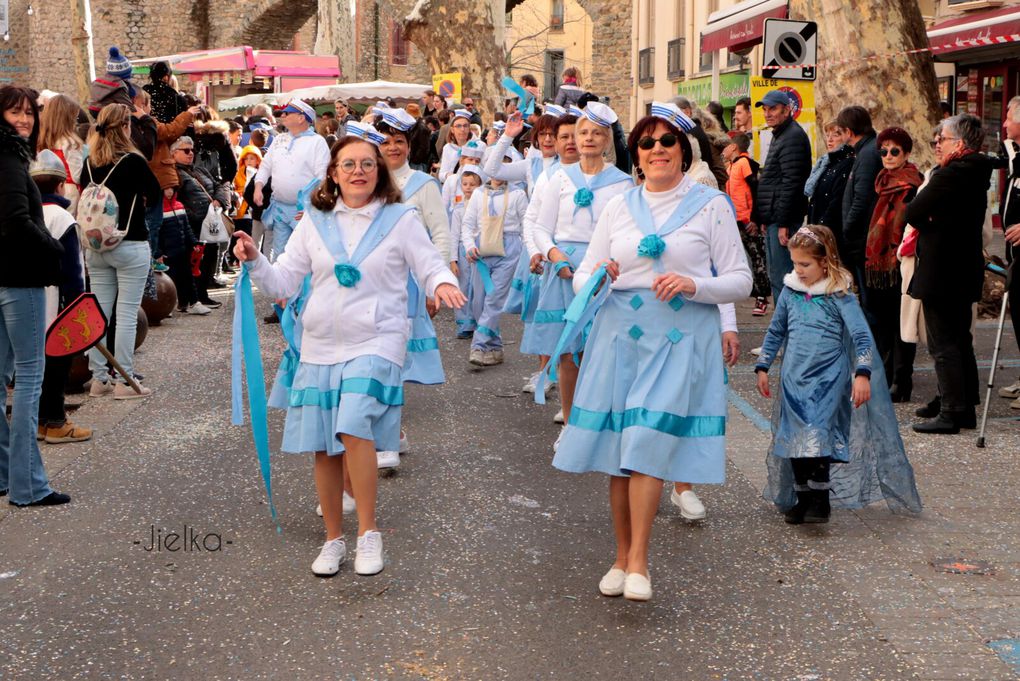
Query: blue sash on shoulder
416, 181
609, 175
384, 222
696, 198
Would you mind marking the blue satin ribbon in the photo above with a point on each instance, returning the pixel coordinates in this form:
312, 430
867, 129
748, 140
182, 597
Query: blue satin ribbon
697, 197
486, 274
525, 100
245, 343
527, 292
577, 317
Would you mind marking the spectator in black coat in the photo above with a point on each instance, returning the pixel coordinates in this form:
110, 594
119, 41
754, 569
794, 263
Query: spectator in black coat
825, 190
781, 201
167, 103
859, 196
949, 213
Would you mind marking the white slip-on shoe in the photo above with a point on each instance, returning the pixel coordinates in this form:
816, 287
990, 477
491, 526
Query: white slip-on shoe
369, 559
387, 459
1010, 391
559, 417
477, 357
349, 505
756, 351
612, 582
330, 558
404, 445
556, 445
689, 504
532, 382
637, 587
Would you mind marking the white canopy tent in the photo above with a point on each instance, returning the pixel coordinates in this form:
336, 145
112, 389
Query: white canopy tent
373, 90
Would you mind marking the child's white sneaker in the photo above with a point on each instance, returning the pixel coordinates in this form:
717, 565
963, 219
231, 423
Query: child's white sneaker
330, 557
369, 559
387, 460
349, 505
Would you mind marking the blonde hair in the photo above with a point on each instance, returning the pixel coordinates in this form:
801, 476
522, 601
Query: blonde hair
819, 242
144, 97
111, 138
58, 124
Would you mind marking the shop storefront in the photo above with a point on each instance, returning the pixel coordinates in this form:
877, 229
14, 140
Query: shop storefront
732, 86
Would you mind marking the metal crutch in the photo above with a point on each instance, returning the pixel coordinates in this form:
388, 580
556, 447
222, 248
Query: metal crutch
995, 269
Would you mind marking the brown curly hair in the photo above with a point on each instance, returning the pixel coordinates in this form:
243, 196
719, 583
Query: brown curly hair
327, 193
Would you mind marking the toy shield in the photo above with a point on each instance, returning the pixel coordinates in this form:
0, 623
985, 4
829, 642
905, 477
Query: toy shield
78, 327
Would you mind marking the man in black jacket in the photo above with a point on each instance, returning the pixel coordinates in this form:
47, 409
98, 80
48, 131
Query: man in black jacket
709, 153
781, 201
949, 214
859, 196
1010, 210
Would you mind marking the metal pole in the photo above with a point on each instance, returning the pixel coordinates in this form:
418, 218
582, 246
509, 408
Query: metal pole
991, 372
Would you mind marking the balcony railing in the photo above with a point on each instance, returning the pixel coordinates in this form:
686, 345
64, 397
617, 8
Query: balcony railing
675, 59
646, 66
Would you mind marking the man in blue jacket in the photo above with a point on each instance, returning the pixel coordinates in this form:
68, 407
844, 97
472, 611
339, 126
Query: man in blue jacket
781, 202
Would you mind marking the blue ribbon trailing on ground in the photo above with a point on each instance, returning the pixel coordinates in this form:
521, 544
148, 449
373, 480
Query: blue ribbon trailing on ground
486, 275
579, 314
245, 342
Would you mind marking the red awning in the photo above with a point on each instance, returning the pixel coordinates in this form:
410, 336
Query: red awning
741, 26
978, 29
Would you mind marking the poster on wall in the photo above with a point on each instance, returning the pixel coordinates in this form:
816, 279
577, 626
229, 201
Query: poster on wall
802, 98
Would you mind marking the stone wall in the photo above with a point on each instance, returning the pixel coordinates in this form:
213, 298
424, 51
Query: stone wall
373, 57
611, 54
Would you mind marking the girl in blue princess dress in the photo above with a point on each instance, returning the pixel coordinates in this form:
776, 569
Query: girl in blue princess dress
834, 441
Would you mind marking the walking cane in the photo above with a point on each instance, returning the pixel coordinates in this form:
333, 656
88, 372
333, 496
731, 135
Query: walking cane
994, 269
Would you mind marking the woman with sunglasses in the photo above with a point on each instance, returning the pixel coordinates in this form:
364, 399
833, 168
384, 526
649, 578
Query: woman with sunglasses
571, 203
895, 186
650, 403
359, 244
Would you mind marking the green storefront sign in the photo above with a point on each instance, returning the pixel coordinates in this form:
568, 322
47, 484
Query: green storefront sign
732, 86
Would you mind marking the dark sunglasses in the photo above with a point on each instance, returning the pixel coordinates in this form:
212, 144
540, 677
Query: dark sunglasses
668, 140
895, 151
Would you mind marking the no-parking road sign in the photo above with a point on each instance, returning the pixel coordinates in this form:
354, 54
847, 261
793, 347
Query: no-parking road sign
789, 49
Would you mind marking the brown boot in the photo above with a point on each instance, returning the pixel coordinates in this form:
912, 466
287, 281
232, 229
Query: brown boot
67, 433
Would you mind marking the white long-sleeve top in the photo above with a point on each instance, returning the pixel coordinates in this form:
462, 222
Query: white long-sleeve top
457, 225
490, 201
429, 202
293, 162
556, 220
448, 163
709, 239
369, 318
515, 171
531, 215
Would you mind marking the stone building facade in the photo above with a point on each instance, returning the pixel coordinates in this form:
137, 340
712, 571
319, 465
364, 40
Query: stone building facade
381, 53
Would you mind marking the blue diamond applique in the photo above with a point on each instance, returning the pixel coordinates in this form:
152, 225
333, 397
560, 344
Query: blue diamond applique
569, 250
674, 336
636, 332
636, 302
676, 302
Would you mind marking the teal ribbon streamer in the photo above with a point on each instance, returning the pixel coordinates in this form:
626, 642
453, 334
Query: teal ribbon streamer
245, 344
577, 317
525, 100
486, 274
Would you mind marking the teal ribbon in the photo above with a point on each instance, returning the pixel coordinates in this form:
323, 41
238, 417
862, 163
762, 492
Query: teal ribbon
486, 274
245, 345
661, 421
577, 317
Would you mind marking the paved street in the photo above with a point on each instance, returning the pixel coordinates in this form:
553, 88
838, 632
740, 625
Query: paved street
493, 556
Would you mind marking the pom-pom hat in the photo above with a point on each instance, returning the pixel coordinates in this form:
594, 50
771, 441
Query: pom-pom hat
117, 65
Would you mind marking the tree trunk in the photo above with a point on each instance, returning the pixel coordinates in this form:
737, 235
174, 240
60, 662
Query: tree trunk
461, 36
334, 34
897, 89
80, 51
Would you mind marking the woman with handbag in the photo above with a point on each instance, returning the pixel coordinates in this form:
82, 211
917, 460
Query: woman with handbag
118, 273
204, 201
29, 261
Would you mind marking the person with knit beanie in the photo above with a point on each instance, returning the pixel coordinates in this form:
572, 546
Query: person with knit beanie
115, 86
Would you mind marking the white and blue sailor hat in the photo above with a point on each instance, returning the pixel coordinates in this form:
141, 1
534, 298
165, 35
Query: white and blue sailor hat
473, 149
672, 114
366, 132
600, 114
398, 119
554, 110
462, 113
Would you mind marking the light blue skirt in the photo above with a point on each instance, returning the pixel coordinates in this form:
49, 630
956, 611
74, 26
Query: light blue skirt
554, 297
515, 298
651, 394
362, 397
423, 364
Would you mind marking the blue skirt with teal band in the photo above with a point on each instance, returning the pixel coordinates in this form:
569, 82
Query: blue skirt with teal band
554, 297
651, 394
362, 397
515, 298
423, 364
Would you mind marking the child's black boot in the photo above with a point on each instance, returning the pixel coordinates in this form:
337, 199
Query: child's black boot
818, 508
795, 516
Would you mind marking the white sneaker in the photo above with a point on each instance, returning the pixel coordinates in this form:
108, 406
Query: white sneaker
556, 445
330, 557
612, 583
477, 357
387, 459
369, 560
492, 357
689, 504
349, 505
756, 351
100, 388
1010, 391
531, 383
637, 587
559, 417
198, 309
404, 444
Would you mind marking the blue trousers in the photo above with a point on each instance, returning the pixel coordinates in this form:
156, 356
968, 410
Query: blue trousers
487, 307
777, 259
466, 322
119, 275
22, 343
279, 217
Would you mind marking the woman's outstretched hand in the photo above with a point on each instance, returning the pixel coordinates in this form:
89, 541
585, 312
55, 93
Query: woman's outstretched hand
450, 296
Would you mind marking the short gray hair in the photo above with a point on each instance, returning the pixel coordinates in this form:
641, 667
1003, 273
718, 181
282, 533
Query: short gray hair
1014, 106
684, 103
181, 141
968, 128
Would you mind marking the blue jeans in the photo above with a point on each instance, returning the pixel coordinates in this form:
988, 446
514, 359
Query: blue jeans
119, 275
153, 222
22, 343
777, 259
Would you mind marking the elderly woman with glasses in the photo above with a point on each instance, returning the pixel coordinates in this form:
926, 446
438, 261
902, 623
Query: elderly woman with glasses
949, 214
650, 402
358, 244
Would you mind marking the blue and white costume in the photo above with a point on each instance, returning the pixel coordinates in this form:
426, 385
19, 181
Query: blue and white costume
451, 151
293, 163
651, 393
489, 213
826, 341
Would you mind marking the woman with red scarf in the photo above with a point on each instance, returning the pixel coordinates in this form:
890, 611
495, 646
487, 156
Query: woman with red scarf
895, 186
